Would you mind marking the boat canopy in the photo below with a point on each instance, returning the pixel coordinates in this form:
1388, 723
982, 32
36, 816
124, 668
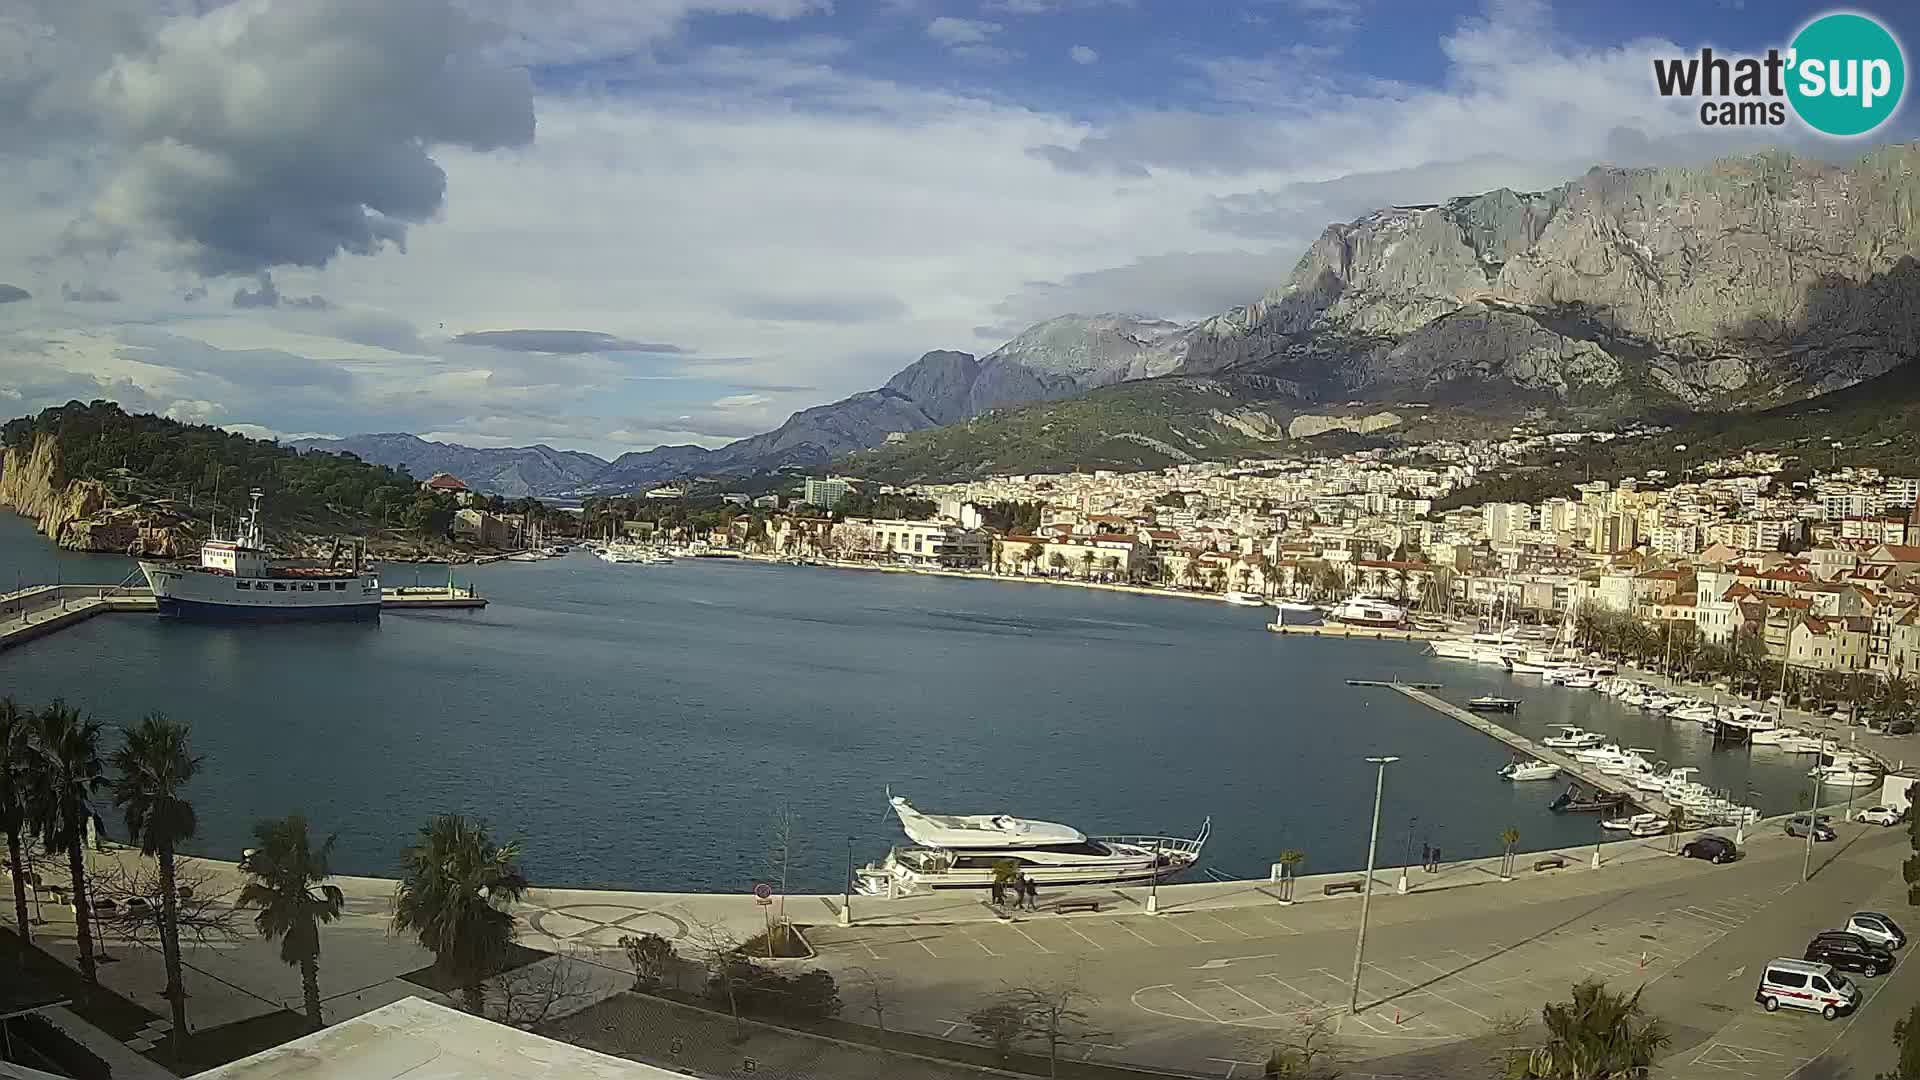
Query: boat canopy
980, 830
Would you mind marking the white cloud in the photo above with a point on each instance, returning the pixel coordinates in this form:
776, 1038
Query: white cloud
801, 230
1083, 54
948, 30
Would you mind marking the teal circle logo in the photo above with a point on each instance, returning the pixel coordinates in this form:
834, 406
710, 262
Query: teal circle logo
1847, 76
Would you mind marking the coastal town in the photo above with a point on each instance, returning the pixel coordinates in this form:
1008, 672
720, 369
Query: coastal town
1823, 573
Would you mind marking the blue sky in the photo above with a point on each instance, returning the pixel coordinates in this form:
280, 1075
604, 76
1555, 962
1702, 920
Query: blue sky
283, 215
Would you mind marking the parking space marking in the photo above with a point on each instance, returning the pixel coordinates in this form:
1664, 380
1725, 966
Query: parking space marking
1723, 922
922, 942
1265, 1009
1294, 989
1189, 933
1122, 925
1192, 1006
1268, 916
1447, 973
1225, 923
983, 945
1030, 937
1429, 991
1085, 938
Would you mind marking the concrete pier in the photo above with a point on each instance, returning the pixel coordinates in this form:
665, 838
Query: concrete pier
1578, 770
35, 612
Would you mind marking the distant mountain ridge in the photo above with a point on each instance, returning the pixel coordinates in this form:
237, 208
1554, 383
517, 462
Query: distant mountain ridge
512, 472
1050, 361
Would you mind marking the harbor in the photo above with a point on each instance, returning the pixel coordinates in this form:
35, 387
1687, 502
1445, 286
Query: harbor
1569, 765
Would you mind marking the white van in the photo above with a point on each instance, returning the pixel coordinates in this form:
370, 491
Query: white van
1799, 984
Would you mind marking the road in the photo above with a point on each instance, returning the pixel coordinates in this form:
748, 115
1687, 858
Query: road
1211, 990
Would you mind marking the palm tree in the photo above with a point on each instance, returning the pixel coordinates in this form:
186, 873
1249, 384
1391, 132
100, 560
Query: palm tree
1290, 861
1057, 562
1034, 553
153, 766
1597, 1035
1086, 565
1508, 837
287, 888
14, 724
65, 776
454, 895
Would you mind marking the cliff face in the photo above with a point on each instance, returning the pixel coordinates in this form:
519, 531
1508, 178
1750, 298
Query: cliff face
78, 515
1748, 281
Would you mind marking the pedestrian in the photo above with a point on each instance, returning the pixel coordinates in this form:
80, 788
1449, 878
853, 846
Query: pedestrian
999, 893
1436, 860
1033, 895
1426, 857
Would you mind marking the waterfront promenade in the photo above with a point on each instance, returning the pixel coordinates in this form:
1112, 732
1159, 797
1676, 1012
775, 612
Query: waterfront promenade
1220, 969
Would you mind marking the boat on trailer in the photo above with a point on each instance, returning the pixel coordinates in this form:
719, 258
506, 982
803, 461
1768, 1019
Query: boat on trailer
954, 851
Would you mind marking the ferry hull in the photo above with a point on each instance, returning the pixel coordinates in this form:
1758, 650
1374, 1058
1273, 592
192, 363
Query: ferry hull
203, 611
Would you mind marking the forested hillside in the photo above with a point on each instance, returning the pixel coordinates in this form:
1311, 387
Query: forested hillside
145, 456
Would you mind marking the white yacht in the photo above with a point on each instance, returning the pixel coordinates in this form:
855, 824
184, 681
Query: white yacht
1573, 738
237, 579
960, 851
1847, 774
1245, 599
1696, 712
1367, 611
1295, 613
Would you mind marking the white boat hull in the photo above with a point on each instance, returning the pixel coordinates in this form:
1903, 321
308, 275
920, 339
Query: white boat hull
187, 593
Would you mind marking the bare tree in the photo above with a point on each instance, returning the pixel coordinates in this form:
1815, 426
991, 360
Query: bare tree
780, 844
127, 896
1053, 1011
718, 949
1000, 1025
542, 991
651, 957
1304, 1051
878, 991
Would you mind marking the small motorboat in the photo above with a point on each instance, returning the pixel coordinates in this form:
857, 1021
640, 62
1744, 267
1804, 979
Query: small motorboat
1246, 599
1628, 824
1529, 770
1573, 738
1490, 703
1578, 800
1580, 682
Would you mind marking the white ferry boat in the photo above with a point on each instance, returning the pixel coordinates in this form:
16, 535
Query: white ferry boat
237, 579
959, 852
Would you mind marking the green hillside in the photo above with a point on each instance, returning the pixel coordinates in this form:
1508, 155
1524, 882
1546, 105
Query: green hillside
146, 458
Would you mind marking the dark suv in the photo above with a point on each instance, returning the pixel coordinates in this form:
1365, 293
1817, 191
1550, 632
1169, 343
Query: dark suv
1708, 846
1849, 952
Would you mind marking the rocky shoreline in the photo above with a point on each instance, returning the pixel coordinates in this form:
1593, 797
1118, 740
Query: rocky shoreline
88, 515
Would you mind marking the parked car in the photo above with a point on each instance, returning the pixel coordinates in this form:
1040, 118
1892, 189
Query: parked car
1879, 815
1711, 847
1877, 928
1849, 952
1799, 984
1900, 727
1797, 826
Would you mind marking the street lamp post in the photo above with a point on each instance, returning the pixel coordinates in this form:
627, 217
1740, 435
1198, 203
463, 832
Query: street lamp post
1366, 892
1813, 822
846, 890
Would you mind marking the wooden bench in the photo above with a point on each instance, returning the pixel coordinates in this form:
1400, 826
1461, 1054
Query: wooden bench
1335, 888
1061, 907
1555, 863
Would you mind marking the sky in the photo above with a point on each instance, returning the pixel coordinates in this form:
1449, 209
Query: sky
613, 224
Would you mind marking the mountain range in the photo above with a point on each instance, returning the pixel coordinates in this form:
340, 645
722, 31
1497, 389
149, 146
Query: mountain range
1741, 284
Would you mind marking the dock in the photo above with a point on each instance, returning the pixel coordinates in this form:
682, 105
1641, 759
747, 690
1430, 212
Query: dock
34, 612
1569, 766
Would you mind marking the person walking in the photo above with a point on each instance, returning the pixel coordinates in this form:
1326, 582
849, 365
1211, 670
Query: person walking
999, 893
1436, 860
1426, 857
1033, 895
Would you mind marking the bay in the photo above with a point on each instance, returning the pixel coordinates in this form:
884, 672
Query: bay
642, 726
